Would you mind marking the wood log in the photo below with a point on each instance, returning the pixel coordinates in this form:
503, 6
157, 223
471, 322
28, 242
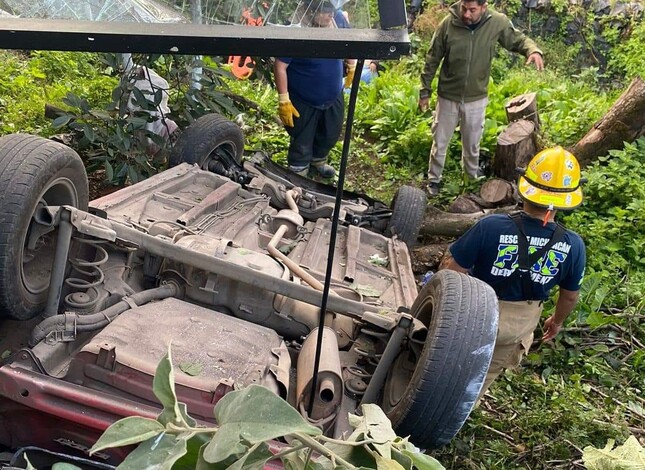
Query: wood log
497, 192
624, 122
516, 145
439, 223
464, 204
523, 107
52, 112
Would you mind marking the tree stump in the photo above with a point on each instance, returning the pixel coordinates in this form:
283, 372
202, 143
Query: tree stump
624, 122
523, 107
497, 192
464, 204
516, 146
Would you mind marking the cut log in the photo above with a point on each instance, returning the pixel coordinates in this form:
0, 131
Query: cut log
439, 223
497, 192
516, 145
523, 107
624, 122
464, 204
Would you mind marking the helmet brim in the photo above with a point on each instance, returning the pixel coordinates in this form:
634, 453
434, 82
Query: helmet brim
543, 198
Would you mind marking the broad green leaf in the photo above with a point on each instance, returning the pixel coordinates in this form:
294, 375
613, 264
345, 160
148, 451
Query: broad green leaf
193, 459
383, 463
61, 121
253, 414
191, 368
629, 456
168, 415
163, 387
127, 431
253, 460
423, 461
159, 453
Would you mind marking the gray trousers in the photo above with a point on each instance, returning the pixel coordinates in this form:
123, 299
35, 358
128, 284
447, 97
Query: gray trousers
470, 117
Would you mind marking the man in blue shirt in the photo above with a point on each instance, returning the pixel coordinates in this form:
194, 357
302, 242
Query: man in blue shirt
524, 256
310, 98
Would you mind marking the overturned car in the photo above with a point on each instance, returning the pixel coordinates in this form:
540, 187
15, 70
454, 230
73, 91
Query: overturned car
229, 258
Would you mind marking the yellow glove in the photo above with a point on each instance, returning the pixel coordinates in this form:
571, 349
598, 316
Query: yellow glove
286, 110
349, 78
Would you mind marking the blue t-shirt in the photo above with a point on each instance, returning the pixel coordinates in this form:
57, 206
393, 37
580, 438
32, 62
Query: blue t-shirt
490, 250
316, 81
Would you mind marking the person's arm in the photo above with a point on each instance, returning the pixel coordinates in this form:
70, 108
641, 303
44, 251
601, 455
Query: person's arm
280, 75
515, 41
286, 110
453, 265
567, 300
433, 59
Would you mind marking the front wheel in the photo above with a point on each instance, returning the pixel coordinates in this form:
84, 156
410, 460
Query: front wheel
435, 381
408, 209
212, 142
34, 172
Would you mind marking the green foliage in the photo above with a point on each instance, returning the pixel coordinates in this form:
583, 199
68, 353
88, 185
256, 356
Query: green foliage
627, 56
611, 220
247, 420
630, 455
31, 81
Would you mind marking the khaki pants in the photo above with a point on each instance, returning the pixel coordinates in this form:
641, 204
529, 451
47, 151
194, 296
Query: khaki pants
517, 321
470, 117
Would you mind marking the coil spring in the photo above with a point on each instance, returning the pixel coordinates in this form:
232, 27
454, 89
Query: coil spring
89, 294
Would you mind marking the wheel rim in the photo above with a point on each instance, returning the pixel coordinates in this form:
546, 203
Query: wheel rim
404, 366
214, 161
36, 265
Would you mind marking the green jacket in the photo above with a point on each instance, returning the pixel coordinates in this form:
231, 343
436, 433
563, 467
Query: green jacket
467, 54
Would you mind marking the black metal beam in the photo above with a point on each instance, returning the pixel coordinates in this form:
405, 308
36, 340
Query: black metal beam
194, 39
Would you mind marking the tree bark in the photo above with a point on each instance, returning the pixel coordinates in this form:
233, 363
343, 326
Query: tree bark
516, 146
497, 192
523, 107
439, 223
624, 122
464, 204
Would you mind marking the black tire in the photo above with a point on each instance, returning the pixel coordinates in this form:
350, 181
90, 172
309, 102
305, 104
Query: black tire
33, 171
408, 209
433, 385
206, 140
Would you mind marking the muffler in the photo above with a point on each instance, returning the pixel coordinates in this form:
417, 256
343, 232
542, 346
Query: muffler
329, 386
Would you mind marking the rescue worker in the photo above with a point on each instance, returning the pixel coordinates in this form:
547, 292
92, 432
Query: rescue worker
525, 255
310, 98
465, 40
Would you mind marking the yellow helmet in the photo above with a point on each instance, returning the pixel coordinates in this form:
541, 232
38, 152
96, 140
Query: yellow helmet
552, 180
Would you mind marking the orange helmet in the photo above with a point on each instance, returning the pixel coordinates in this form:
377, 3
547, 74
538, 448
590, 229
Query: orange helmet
552, 180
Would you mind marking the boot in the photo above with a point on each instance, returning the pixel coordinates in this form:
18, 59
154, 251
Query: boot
300, 170
320, 168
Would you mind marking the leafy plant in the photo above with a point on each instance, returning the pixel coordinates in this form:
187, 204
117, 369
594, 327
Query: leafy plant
247, 420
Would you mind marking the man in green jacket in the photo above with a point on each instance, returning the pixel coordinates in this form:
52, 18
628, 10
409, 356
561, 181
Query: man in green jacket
465, 40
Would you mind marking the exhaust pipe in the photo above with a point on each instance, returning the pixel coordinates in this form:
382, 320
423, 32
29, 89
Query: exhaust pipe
329, 393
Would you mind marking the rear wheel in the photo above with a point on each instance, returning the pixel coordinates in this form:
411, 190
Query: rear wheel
408, 209
212, 142
435, 381
34, 172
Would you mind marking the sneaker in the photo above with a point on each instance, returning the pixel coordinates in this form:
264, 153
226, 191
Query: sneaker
432, 189
300, 170
320, 168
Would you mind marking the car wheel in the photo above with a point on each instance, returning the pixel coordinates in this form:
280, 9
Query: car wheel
434, 382
408, 209
33, 172
209, 142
